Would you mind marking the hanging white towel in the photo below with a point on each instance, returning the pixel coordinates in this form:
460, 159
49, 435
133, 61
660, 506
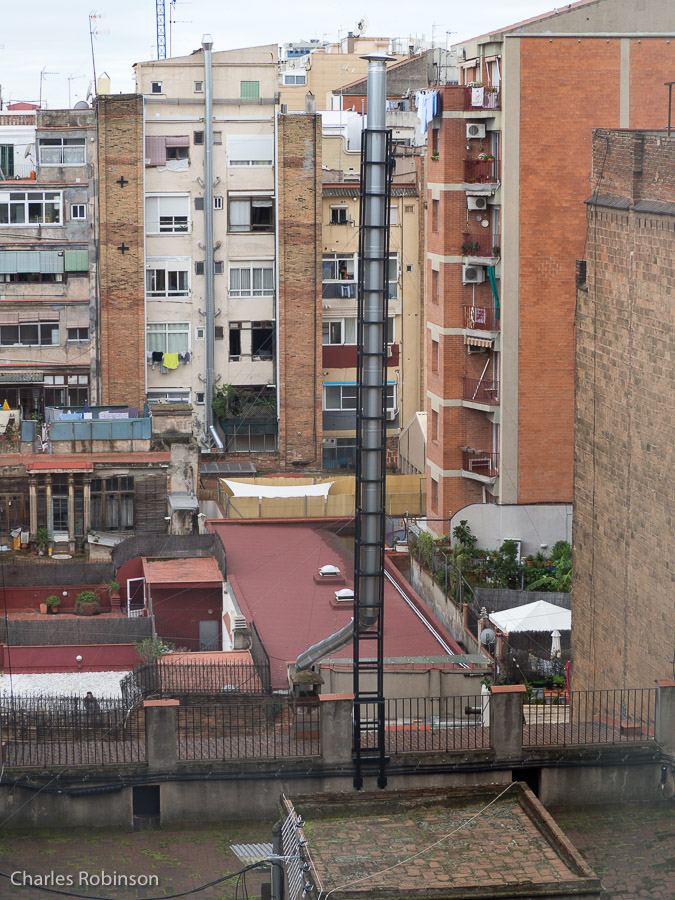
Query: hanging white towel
477, 96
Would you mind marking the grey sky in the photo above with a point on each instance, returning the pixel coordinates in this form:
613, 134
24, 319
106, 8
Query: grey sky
55, 37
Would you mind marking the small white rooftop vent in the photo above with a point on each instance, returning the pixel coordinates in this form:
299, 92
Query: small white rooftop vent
346, 595
329, 570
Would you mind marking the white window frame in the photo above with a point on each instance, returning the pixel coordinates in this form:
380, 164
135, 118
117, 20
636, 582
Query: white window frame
60, 144
74, 212
337, 258
29, 342
393, 258
341, 323
169, 227
55, 198
339, 209
262, 140
348, 392
77, 340
218, 202
250, 199
294, 74
198, 87
156, 87
251, 265
163, 330
175, 265
168, 395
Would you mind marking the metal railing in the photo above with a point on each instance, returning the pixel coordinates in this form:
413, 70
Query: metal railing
483, 245
482, 318
162, 679
273, 729
479, 463
436, 724
589, 717
482, 98
44, 731
480, 390
481, 171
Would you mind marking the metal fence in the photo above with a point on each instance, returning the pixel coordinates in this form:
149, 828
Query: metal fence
425, 724
44, 731
589, 717
265, 730
163, 679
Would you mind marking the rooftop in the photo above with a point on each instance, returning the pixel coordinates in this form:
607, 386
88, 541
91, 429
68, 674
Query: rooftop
273, 572
195, 570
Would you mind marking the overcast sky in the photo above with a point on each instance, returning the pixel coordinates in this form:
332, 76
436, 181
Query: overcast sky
54, 37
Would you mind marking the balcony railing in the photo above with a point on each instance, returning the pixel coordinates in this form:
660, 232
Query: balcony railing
476, 462
334, 290
482, 98
481, 318
485, 245
481, 171
480, 391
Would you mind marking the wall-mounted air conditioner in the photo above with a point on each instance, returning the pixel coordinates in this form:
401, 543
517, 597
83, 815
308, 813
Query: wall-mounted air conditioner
391, 414
476, 202
473, 274
474, 130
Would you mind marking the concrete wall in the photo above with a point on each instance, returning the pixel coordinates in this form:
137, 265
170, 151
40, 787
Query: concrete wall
423, 681
532, 524
434, 596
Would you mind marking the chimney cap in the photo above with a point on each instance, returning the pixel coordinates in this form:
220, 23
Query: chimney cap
207, 42
378, 57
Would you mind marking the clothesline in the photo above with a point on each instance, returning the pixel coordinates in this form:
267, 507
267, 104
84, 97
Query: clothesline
167, 361
428, 106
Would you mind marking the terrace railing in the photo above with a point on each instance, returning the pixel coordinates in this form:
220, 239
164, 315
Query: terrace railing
481, 171
480, 390
162, 679
482, 98
479, 463
590, 717
482, 318
484, 245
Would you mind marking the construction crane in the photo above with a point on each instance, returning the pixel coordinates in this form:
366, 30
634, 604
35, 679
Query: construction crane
161, 30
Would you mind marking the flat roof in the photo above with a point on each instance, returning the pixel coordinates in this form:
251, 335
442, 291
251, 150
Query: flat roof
273, 571
192, 570
487, 841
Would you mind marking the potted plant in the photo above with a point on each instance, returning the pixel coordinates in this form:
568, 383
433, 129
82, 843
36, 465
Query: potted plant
435, 157
87, 603
115, 600
42, 539
496, 250
52, 603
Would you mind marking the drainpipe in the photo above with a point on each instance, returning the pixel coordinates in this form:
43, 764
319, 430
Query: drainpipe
209, 333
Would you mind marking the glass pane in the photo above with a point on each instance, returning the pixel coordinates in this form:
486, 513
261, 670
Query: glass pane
9, 334
17, 214
335, 332
240, 215
333, 397
73, 156
35, 212
177, 343
29, 334
349, 396
350, 331
50, 156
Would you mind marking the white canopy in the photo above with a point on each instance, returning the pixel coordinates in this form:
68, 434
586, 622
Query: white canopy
239, 489
538, 616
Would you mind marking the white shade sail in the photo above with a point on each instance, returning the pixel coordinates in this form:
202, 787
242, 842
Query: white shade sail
239, 489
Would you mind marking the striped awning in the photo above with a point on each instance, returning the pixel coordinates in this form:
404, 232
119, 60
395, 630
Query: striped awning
477, 342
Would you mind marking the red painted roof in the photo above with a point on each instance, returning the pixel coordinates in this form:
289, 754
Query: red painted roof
79, 461
194, 570
271, 568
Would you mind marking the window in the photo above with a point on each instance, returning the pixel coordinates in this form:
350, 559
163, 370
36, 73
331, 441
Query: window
7, 160
435, 215
217, 137
112, 503
434, 356
175, 395
434, 425
338, 267
343, 331
30, 334
434, 495
167, 278
199, 268
198, 137
393, 276
167, 214
199, 397
217, 202
155, 87
297, 76
250, 150
198, 87
435, 135
30, 208
338, 215
393, 215
342, 397
235, 341
178, 153
435, 290
78, 334
78, 211
218, 267
262, 340
409, 208
160, 148
62, 151
251, 214
168, 337
250, 90
252, 279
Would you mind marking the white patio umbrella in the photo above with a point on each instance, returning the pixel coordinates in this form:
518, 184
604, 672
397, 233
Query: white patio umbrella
555, 644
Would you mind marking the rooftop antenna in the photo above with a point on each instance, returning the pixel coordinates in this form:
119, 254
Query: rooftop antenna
43, 75
93, 31
172, 22
72, 78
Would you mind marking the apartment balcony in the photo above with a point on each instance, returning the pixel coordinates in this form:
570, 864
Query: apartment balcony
337, 290
482, 98
481, 318
481, 247
480, 466
480, 391
481, 171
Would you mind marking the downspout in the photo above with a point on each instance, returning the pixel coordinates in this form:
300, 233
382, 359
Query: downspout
277, 285
209, 332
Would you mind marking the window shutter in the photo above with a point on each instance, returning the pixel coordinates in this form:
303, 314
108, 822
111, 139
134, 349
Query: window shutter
77, 260
178, 140
199, 203
250, 148
51, 262
155, 150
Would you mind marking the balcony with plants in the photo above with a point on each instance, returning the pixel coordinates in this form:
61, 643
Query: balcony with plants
479, 96
481, 169
481, 246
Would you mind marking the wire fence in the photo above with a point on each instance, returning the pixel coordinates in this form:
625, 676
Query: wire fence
73, 730
590, 717
425, 724
273, 729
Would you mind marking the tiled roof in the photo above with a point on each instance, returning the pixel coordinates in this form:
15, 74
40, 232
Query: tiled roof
79, 461
194, 570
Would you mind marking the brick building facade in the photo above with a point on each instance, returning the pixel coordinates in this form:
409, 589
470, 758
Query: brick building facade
625, 425
505, 224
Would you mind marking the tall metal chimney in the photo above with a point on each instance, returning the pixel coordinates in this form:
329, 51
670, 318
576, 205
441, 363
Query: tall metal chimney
209, 329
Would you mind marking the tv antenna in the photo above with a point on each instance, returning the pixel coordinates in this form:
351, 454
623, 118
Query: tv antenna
43, 75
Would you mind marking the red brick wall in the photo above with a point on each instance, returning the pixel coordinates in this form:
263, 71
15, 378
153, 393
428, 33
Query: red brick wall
122, 315
299, 317
652, 62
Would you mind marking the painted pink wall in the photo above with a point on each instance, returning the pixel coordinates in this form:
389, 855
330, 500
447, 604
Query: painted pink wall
21, 598
62, 658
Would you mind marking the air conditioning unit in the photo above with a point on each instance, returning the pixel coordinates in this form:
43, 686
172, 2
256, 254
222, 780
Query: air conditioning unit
330, 442
391, 414
390, 351
476, 202
475, 130
473, 274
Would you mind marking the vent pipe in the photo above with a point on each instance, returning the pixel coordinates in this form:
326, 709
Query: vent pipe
372, 324
209, 329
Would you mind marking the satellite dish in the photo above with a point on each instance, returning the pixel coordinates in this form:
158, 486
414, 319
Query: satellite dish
361, 25
488, 636
81, 104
